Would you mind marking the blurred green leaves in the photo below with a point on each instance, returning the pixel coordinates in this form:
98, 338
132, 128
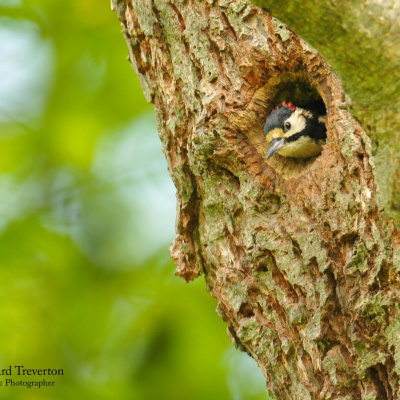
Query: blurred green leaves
86, 217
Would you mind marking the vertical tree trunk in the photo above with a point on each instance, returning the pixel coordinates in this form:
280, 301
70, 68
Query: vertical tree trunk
298, 254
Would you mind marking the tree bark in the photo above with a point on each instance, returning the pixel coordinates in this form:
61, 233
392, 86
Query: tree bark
362, 42
299, 255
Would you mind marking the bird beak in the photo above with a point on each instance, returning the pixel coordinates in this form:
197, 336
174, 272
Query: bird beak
275, 145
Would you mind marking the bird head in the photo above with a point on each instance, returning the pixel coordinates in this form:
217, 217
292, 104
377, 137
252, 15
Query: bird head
294, 132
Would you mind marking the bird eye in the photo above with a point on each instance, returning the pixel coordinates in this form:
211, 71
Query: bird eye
287, 125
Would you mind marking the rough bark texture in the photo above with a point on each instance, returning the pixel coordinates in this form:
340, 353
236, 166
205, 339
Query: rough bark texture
361, 39
303, 264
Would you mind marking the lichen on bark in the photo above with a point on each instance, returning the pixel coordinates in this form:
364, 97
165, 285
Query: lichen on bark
298, 254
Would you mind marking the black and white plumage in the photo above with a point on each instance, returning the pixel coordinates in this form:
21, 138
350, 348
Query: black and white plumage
295, 132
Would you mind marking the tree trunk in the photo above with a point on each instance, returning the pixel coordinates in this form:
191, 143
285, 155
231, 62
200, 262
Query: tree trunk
298, 254
361, 39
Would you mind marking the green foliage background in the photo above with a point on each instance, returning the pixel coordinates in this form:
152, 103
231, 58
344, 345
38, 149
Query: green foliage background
86, 218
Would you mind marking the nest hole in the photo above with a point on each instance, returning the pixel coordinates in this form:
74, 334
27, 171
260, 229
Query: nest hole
299, 89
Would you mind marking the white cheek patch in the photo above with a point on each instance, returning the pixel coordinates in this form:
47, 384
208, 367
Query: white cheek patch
297, 122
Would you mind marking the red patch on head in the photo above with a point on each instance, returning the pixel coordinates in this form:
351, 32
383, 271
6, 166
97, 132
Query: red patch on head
287, 105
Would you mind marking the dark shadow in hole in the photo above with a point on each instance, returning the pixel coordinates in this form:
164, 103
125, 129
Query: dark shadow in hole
295, 88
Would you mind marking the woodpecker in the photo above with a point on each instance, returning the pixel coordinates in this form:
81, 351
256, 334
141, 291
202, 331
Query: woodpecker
296, 132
